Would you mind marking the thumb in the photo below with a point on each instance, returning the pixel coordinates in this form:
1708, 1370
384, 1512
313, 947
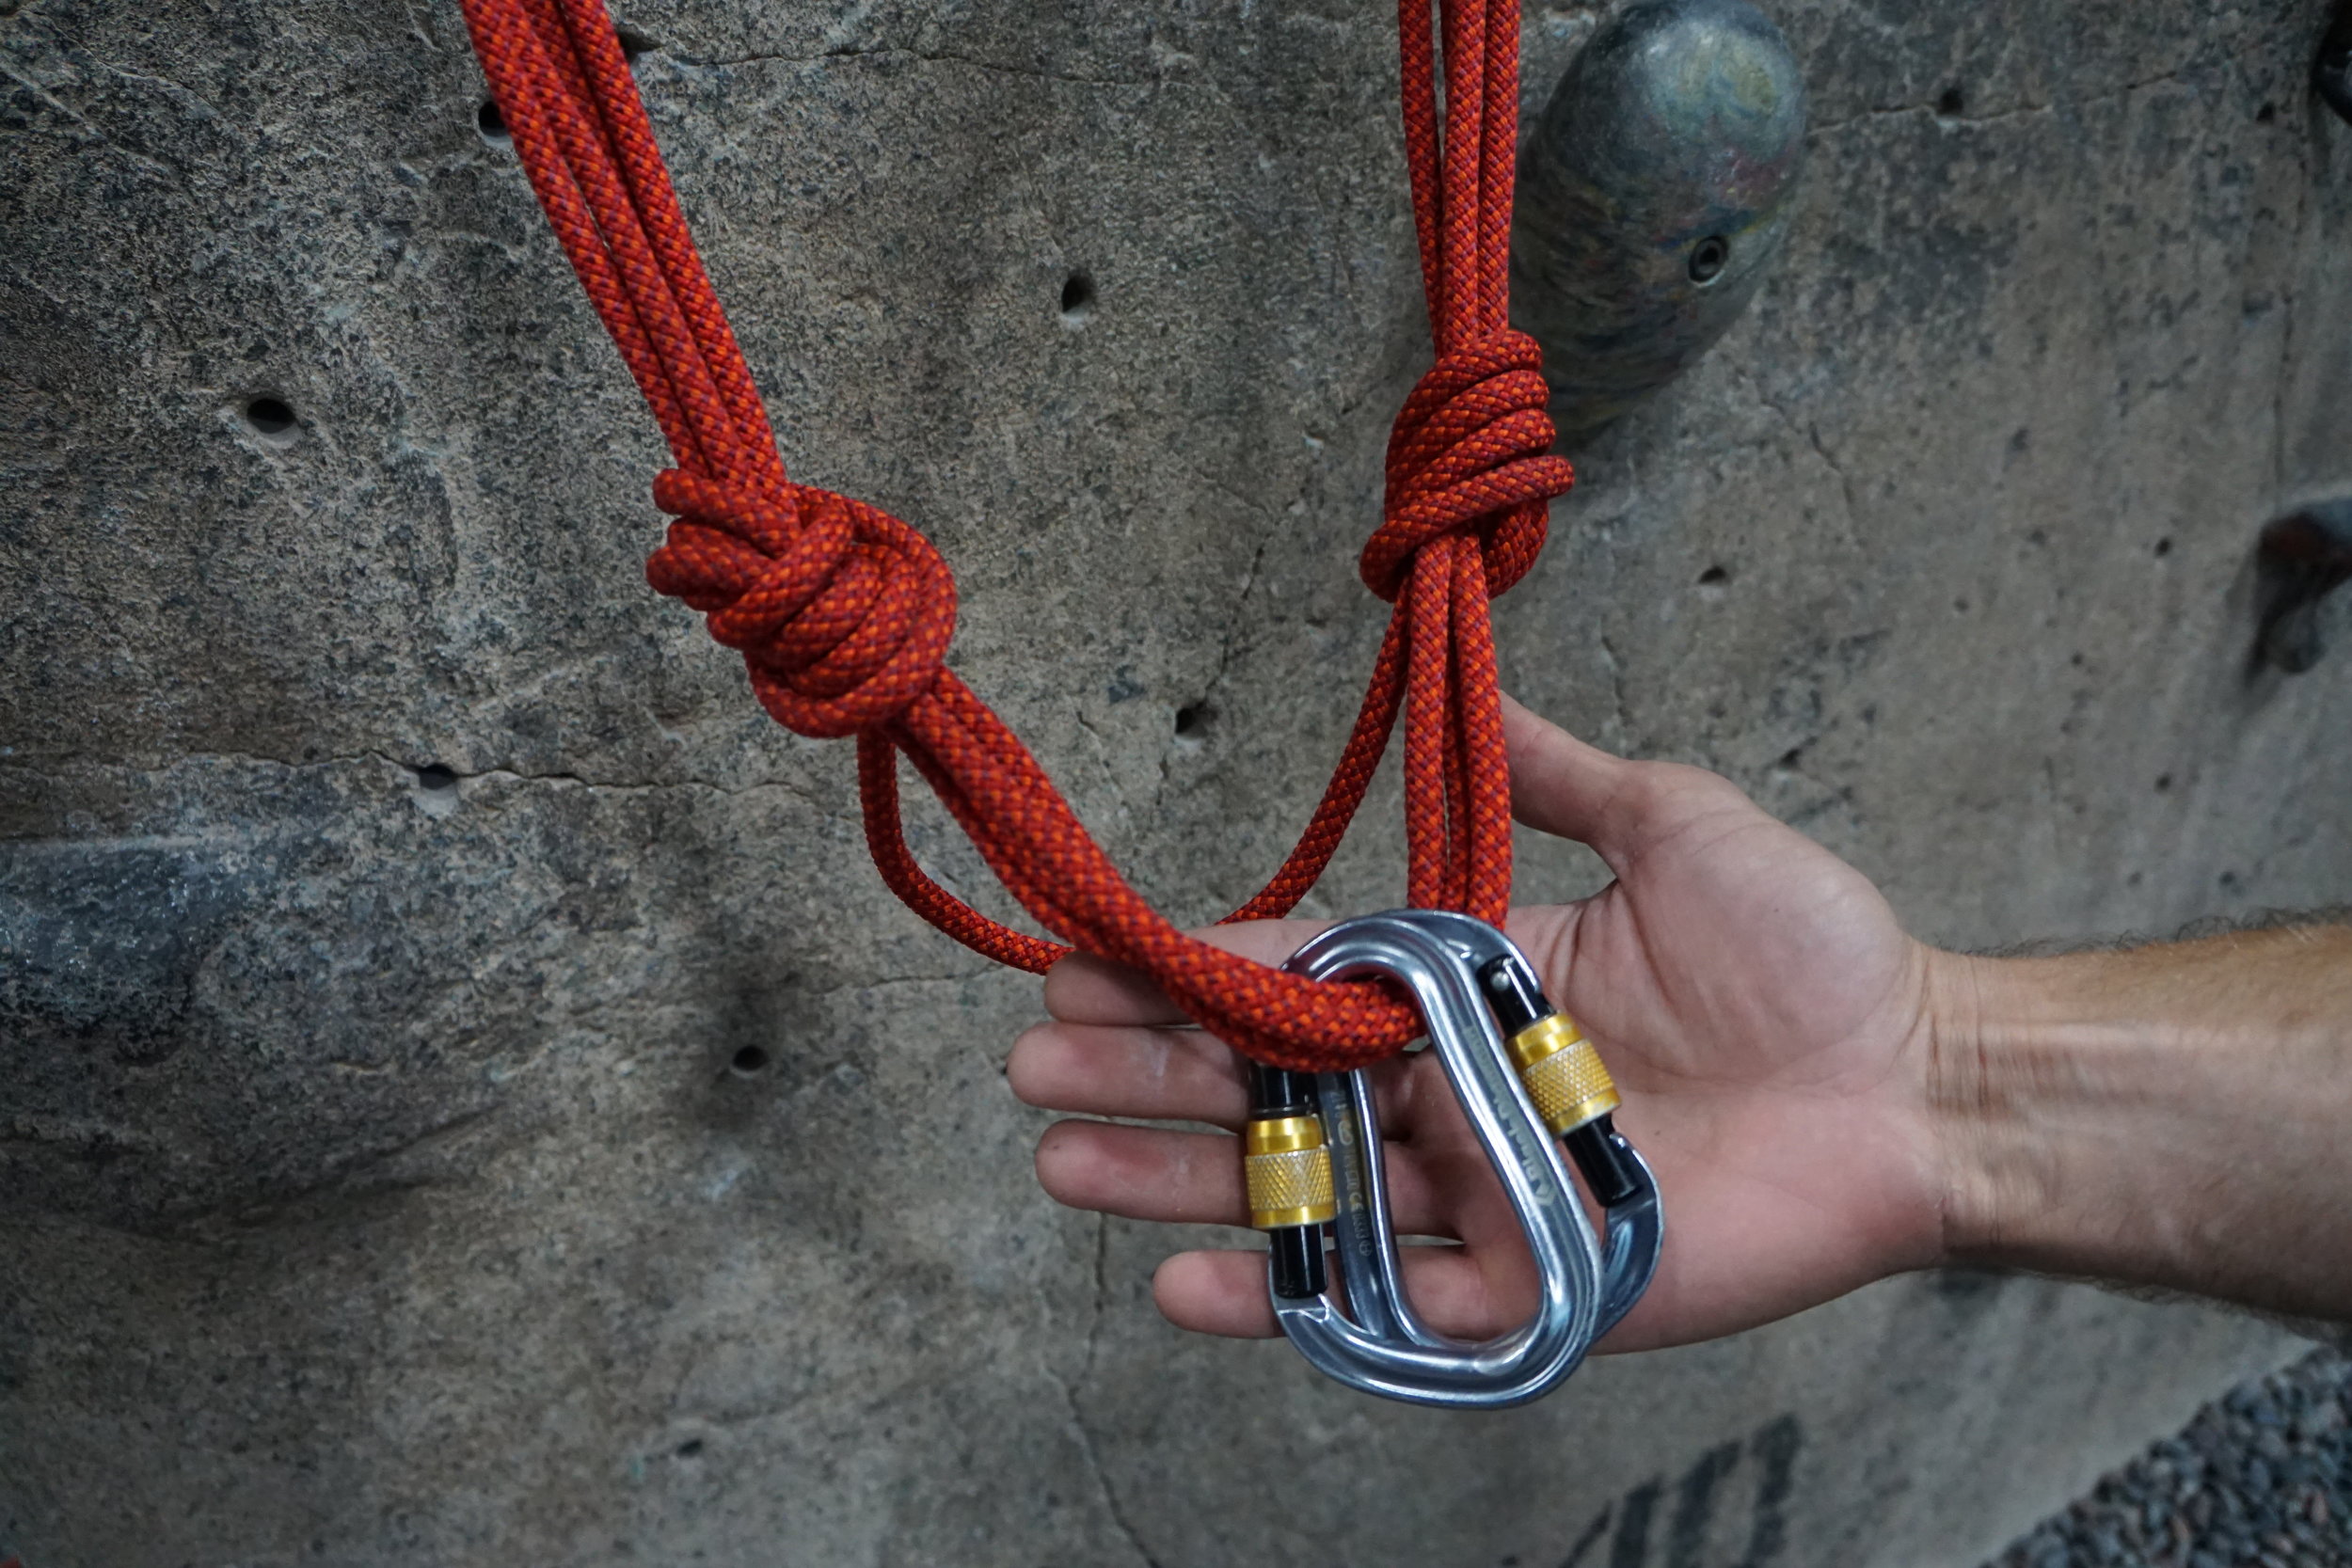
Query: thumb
1559, 785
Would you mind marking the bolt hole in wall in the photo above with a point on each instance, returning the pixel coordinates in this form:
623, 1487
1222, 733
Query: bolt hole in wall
436, 776
1709, 258
1715, 581
272, 419
749, 1062
1951, 102
1192, 721
1078, 299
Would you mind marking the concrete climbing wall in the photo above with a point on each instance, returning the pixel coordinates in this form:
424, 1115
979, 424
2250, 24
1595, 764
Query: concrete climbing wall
465, 1099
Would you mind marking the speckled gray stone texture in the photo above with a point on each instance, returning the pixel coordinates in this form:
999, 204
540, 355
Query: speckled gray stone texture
2263, 1477
377, 1184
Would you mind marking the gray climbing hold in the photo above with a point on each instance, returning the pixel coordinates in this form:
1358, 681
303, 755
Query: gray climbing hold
1653, 196
2332, 73
2302, 558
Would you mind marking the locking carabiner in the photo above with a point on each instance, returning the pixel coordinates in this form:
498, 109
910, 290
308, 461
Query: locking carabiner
1313, 1158
1576, 1098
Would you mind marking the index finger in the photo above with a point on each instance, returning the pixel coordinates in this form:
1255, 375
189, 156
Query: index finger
1083, 989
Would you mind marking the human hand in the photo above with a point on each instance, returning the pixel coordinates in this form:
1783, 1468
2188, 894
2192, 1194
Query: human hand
1765, 1017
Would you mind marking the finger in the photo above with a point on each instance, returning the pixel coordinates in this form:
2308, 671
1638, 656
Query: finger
1216, 1292
1621, 809
1151, 1074
1083, 989
1168, 1075
1153, 1173
1559, 785
1225, 1292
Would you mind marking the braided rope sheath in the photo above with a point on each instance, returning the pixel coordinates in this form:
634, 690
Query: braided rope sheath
843, 613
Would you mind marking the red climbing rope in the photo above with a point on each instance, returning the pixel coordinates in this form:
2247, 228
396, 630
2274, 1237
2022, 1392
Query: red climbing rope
843, 613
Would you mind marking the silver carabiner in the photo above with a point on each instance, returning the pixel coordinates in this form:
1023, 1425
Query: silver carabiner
1312, 1157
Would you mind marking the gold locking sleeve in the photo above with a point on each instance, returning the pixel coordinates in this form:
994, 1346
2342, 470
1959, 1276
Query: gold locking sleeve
1563, 1074
1287, 1171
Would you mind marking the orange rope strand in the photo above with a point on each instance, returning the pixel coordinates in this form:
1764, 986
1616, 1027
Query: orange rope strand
843, 613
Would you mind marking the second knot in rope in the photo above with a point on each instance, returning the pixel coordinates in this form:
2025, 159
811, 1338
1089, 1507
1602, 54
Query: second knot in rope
1471, 454
842, 612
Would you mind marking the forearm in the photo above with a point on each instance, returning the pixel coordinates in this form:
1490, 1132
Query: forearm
2177, 1116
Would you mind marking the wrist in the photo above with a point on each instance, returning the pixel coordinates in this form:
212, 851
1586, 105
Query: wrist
1971, 1094
2148, 1117
2055, 1101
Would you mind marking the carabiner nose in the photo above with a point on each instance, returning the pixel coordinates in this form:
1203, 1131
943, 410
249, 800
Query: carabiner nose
1301, 1174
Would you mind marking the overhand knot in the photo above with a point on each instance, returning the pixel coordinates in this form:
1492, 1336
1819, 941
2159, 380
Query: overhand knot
1470, 454
842, 612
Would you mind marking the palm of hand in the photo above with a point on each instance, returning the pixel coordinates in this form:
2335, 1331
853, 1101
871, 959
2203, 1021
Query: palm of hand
1754, 996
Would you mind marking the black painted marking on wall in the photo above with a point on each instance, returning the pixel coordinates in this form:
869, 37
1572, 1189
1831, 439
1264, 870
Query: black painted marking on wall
1632, 1545
1769, 1453
1774, 1446
1694, 1505
1591, 1538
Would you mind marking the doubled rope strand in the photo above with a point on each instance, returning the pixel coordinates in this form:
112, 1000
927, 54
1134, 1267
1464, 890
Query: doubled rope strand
843, 613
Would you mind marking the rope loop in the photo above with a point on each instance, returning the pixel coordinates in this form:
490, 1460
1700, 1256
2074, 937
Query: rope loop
842, 612
1469, 453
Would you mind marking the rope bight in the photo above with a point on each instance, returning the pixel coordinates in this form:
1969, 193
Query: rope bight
843, 613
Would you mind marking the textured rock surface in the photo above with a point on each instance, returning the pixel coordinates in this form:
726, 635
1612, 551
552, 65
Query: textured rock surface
2264, 1477
467, 1099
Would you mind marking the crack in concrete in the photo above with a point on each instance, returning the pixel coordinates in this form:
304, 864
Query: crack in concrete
2286, 333
1812, 433
33, 1130
174, 90
2024, 111
89, 127
352, 1180
1234, 621
1845, 481
929, 57
1616, 691
1902, 111
342, 759
1226, 643
626, 786
876, 982
1084, 1433
1101, 1290
367, 1158
1103, 754
1111, 1504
